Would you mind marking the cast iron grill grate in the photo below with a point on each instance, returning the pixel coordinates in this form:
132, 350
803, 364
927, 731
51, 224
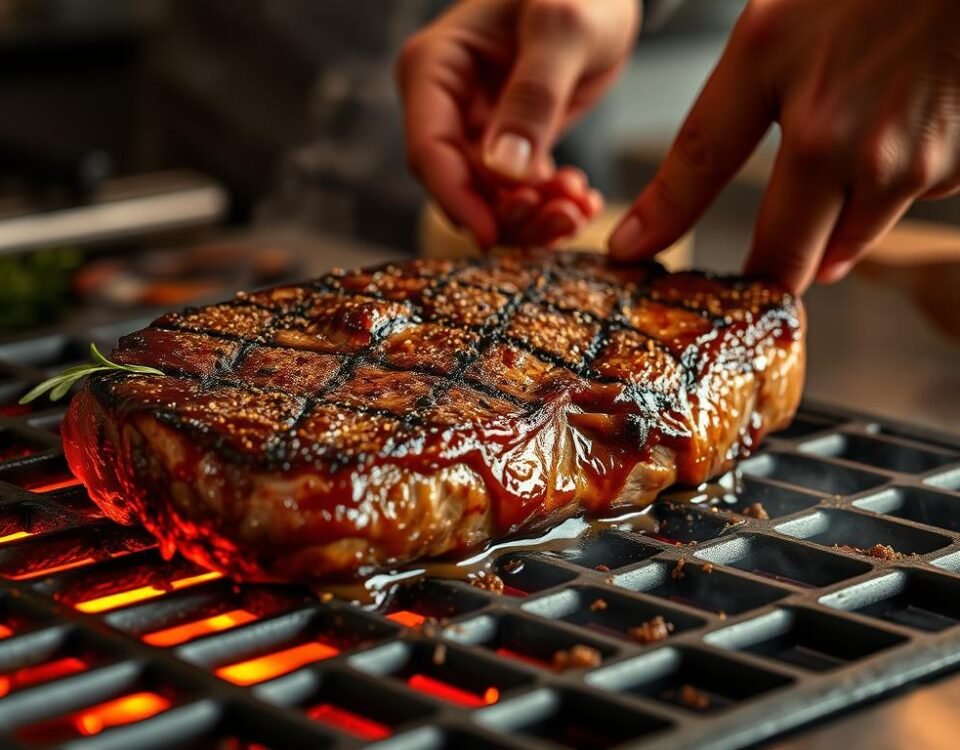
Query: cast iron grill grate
756, 609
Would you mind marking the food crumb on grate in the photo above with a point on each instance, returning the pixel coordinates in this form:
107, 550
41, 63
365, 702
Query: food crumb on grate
602, 568
708, 568
513, 566
598, 605
576, 657
677, 573
326, 596
722, 615
439, 654
487, 581
878, 551
652, 631
756, 511
690, 697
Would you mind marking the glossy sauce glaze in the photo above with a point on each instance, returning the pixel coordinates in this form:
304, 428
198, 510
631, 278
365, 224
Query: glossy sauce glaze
434, 417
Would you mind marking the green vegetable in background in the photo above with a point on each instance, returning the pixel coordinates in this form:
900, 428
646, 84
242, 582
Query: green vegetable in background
61, 383
35, 287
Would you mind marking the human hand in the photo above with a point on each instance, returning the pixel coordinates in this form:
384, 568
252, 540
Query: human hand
867, 94
488, 88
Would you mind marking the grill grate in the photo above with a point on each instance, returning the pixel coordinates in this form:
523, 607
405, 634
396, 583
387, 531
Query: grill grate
744, 615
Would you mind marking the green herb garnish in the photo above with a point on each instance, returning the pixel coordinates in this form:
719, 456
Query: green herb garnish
61, 383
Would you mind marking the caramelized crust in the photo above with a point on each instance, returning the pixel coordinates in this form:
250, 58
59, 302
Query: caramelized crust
376, 416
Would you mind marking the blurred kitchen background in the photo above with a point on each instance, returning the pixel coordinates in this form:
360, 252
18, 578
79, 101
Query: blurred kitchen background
162, 152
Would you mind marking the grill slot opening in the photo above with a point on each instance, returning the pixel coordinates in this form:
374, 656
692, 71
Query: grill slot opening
806, 424
15, 445
811, 640
683, 524
861, 531
45, 656
883, 454
695, 680
527, 574
613, 614
431, 602
444, 672
356, 705
786, 562
916, 599
45, 557
690, 584
276, 646
197, 612
87, 722
43, 475
933, 508
609, 549
775, 500
810, 473
572, 719
531, 641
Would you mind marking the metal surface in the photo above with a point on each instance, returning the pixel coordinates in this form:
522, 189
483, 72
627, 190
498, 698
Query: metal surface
772, 623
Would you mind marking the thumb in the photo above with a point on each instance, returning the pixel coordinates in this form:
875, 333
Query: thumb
533, 104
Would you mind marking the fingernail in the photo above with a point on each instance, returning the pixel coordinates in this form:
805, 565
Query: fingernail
627, 236
510, 155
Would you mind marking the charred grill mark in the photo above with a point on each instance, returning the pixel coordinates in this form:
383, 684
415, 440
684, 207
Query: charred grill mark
283, 445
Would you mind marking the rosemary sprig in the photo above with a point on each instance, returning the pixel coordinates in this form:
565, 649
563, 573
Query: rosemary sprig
61, 383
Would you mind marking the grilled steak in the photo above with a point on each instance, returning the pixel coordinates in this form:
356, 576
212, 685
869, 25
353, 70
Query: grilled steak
373, 417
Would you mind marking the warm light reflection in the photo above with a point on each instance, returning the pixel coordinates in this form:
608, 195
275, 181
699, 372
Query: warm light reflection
14, 536
123, 598
349, 722
407, 618
5, 631
38, 673
273, 665
452, 694
61, 484
510, 654
125, 710
52, 569
188, 631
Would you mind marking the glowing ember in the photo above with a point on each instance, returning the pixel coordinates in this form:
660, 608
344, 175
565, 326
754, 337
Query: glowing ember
126, 710
510, 654
34, 675
90, 721
123, 598
52, 569
188, 631
273, 665
47, 485
5, 631
349, 722
407, 618
451, 693
14, 536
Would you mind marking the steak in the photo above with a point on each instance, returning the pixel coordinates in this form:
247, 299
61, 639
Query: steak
373, 417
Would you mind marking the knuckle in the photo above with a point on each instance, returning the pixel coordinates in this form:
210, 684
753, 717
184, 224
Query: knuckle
919, 174
881, 165
557, 16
